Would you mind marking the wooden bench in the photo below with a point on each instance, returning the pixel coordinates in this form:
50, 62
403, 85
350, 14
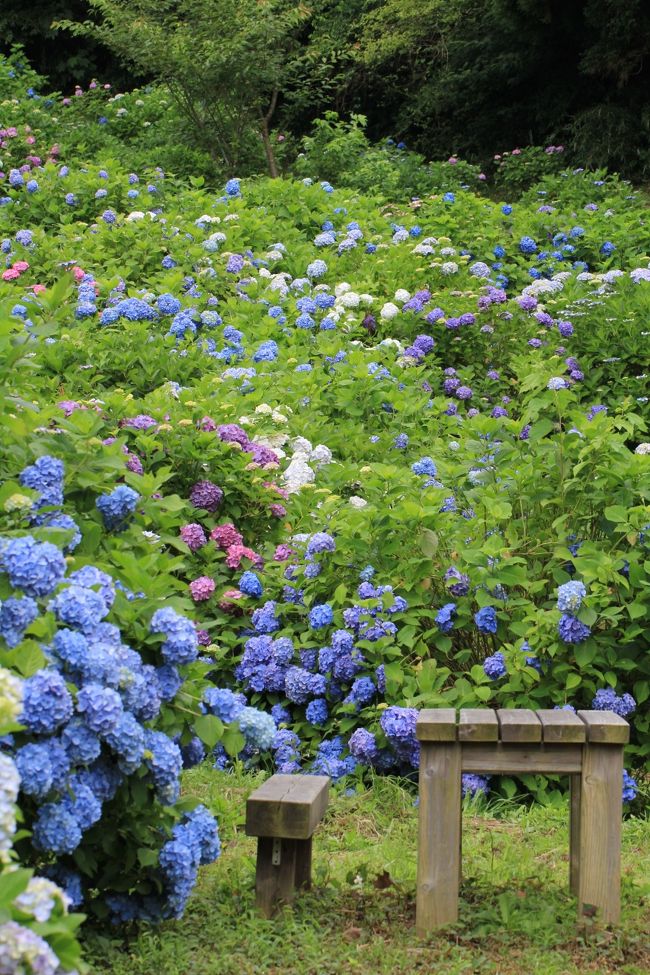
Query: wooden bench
587, 746
283, 813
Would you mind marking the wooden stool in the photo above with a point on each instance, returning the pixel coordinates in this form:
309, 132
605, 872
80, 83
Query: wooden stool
588, 746
283, 813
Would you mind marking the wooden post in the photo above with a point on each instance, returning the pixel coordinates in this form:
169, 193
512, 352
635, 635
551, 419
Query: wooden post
303, 864
275, 873
439, 836
574, 834
599, 884
600, 832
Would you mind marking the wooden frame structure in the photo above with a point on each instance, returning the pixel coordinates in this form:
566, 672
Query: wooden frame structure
587, 746
283, 813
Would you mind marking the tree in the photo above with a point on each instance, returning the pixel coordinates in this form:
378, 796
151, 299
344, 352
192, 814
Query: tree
225, 63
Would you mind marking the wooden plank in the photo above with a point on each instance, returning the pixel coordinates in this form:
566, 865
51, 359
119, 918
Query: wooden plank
438, 836
605, 727
599, 883
574, 834
561, 726
289, 806
303, 864
274, 882
477, 724
508, 758
518, 724
436, 724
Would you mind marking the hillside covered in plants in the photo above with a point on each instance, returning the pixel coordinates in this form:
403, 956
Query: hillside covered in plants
284, 462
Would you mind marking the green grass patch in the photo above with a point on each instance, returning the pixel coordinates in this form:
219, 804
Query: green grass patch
517, 915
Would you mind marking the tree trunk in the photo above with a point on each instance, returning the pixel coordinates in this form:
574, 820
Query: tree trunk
264, 129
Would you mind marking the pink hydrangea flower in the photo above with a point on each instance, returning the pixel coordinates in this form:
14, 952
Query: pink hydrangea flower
208, 425
228, 601
21, 266
282, 553
38, 289
10, 274
193, 536
226, 536
201, 588
78, 273
278, 510
236, 553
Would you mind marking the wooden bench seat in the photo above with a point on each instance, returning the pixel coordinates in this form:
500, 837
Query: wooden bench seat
587, 745
283, 813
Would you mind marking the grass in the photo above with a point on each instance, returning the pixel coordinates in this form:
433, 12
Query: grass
517, 916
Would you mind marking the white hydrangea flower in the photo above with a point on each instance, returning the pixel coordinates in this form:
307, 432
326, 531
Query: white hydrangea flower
298, 473
264, 409
402, 295
302, 446
9, 786
350, 299
264, 272
274, 255
321, 454
357, 502
449, 267
424, 249
218, 235
135, 215
447, 251
389, 311
366, 299
11, 697
278, 417
40, 898
231, 216
342, 288
643, 449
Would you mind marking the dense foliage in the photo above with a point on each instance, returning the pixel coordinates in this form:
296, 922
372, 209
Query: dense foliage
472, 76
285, 463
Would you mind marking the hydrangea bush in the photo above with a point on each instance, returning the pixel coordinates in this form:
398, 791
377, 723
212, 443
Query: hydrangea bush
284, 465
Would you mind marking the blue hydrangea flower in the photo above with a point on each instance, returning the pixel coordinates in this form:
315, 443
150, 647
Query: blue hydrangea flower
35, 769
320, 616
317, 711
79, 608
495, 666
164, 760
15, 616
425, 466
445, 617
571, 630
56, 829
474, 785
47, 703
117, 507
250, 585
181, 644
570, 596
36, 568
630, 787
607, 699
486, 619
363, 746
101, 708
224, 703
257, 727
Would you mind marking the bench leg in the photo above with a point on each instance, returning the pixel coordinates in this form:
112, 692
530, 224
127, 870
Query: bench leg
439, 836
275, 873
600, 832
574, 834
303, 864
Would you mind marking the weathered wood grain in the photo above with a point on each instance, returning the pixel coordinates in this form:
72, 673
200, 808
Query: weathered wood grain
288, 806
519, 724
511, 758
599, 884
477, 724
436, 724
439, 836
605, 727
561, 726
274, 883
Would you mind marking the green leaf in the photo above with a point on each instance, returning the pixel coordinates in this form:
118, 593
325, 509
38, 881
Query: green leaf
573, 680
12, 884
209, 729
